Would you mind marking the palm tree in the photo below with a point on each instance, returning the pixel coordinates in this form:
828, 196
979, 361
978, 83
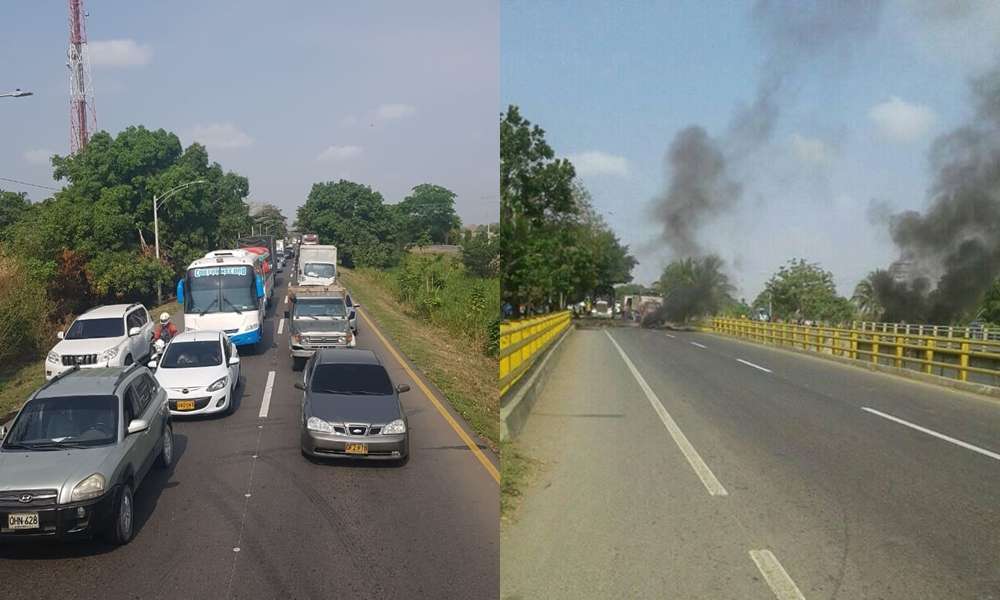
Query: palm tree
866, 296
694, 287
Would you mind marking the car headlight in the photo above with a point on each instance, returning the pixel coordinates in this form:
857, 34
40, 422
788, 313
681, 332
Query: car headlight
296, 339
53, 357
218, 384
91, 487
396, 427
317, 424
109, 354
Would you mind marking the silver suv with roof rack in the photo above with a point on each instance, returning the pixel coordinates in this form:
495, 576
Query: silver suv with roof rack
77, 451
107, 336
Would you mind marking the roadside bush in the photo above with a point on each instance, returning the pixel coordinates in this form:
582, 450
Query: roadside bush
24, 308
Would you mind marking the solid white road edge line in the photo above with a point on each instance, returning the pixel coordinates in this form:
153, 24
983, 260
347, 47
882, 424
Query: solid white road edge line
268, 388
671, 336
697, 344
776, 576
281, 325
750, 364
942, 436
694, 459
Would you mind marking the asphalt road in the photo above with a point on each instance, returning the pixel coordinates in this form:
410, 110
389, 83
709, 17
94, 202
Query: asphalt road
782, 476
244, 515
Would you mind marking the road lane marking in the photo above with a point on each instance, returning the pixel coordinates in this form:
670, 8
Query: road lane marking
268, 388
286, 299
671, 336
694, 459
492, 470
281, 325
776, 576
750, 364
942, 436
697, 344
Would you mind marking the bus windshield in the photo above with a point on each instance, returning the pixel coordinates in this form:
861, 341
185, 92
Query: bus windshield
220, 289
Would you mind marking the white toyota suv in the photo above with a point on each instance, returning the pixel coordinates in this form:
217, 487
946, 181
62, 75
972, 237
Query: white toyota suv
107, 336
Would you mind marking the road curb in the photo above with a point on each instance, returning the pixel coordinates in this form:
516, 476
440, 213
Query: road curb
980, 389
514, 414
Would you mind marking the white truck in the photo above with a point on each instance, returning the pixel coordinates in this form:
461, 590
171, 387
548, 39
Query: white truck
317, 265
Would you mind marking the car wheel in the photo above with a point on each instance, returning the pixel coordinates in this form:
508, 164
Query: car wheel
123, 524
166, 457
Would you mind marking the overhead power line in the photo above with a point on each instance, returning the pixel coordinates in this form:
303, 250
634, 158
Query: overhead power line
44, 187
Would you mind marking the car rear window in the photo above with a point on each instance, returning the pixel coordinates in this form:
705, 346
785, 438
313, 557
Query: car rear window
187, 355
66, 420
85, 329
349, 378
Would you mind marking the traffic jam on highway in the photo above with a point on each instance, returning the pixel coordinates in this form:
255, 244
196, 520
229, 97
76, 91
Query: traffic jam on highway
81, 445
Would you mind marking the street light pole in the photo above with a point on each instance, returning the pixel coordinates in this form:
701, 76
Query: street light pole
156, 226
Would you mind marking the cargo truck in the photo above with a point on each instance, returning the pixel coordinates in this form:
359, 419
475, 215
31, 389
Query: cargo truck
317, 265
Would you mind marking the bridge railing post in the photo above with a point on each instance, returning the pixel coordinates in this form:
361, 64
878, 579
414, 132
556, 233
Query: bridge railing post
875, 348
929, 356
963, 373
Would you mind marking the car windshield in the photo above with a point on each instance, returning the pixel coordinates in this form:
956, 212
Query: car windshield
350, 378
319, 270
85, 329
189, 355
65, 421
326, 307
221, 289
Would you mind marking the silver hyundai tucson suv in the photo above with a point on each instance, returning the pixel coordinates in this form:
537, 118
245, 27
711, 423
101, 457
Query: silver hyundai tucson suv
77, 451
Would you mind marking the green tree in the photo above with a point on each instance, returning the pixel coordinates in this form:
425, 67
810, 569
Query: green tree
693, 288
430, 210
481, 254
865, 296
13, 207
354, 218
803, 290
271, 219
989, 310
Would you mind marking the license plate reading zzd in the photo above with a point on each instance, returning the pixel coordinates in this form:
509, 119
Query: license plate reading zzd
361, 449
185, 405
24, 520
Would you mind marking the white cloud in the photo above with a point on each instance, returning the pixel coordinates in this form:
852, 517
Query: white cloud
220, 135
900, 121
596, 163
388, 112
338, 153
38, 157
119, 53
811, 150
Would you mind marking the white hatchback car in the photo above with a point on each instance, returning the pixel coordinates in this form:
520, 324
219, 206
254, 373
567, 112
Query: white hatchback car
200, 371
107, 336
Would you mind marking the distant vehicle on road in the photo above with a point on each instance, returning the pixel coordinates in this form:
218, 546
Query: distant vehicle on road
107, 336
77, 451
317, 265
310, 239
225, 291
351, 409
602, 309
200, 371
320, 318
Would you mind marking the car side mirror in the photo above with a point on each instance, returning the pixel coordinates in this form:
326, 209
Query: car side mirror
234, 360
403, 387
356, 305
300, 386
3, 432
137, 426
151, 364
60, 334
288, 314
134, 331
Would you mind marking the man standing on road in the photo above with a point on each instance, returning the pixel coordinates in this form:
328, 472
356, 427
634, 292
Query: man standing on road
165, 330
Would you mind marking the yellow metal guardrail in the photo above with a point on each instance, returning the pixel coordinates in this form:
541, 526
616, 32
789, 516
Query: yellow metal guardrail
522, 341
965, 359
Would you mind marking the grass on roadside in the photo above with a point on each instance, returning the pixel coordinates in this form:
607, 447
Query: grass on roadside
516, 471
466, 376
18, 381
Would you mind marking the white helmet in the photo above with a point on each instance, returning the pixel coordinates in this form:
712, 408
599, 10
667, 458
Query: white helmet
164, 318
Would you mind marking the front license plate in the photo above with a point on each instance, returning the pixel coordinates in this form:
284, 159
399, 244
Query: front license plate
27, 520
185, 405
356, 449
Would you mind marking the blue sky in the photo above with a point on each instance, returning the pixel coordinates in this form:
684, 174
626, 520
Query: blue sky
390, 94
613, 82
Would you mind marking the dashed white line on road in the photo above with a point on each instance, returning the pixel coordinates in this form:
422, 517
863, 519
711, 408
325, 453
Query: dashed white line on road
750, 364
941, 436
286, 299
697, 344
776, 575
268, 388
694, 459
671, 336
281, 326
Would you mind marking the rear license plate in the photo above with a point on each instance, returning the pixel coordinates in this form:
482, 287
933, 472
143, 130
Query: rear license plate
356, 449
28, 520
185, 405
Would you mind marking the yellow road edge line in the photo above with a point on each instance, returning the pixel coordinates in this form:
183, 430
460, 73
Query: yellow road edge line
487, 464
